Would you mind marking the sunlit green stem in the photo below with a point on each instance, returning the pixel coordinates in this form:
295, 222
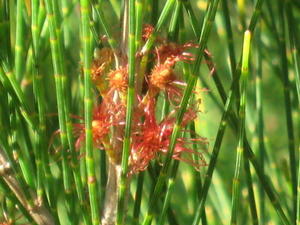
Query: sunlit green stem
20, 44
88, 106
209, 18
129, 113
242, 118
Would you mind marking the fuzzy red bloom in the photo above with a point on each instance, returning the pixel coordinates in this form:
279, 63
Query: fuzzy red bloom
163, 78
170, 53
147, 31
118, 79
105, 116
154, 138
100, 127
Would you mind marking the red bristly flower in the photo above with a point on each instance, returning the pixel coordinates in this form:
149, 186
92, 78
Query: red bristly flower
118, 79
147, 31
104, 117
170, 53
162, 76
154, 138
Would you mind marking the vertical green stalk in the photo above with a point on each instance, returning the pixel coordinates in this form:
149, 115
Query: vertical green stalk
174, 28
20, 44
262, 177
193, 20
140, 6
8, 79
251, 197
169, 190
292, 27
138, 197
175, 24
288, 106
266, 184
111, 41
129, 112
242, 118
230, 39
88, 105
41, 145
162, 19
57, 61
260, 124
163, 176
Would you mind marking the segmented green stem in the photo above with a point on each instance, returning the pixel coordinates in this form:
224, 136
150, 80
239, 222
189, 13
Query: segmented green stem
242, 118
69, 126
260, 124
288, 106
88, 105
139, 6
251, 196
229, 34
9, 81
41, 146
266, 184
138, 197
129, 112
163, 176
112, 42
295, 54
193, 20
57, 60
176, 21
214, 155
20, 44
249, 154
167, 198
162, 19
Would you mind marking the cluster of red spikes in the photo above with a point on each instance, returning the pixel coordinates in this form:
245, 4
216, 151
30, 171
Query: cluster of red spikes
150, 137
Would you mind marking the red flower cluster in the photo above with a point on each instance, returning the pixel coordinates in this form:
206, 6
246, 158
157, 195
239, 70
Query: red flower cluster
149, 136
153, 138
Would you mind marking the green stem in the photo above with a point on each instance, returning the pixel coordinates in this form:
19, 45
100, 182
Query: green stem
61, 97
288, 107
140, 6
138, 197
129, 113
260, 124
163, 176
20, 44
162, 19
88, 105
251, 196
295, 54
230, 39
111, 41
242, 118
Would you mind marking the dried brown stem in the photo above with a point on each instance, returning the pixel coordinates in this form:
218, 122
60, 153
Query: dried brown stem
38, 212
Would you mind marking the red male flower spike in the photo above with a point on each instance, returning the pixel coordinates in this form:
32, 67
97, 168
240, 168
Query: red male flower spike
154, 138
100, 127
170, 53
118, 79
162, 76
104, 117
147, 31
